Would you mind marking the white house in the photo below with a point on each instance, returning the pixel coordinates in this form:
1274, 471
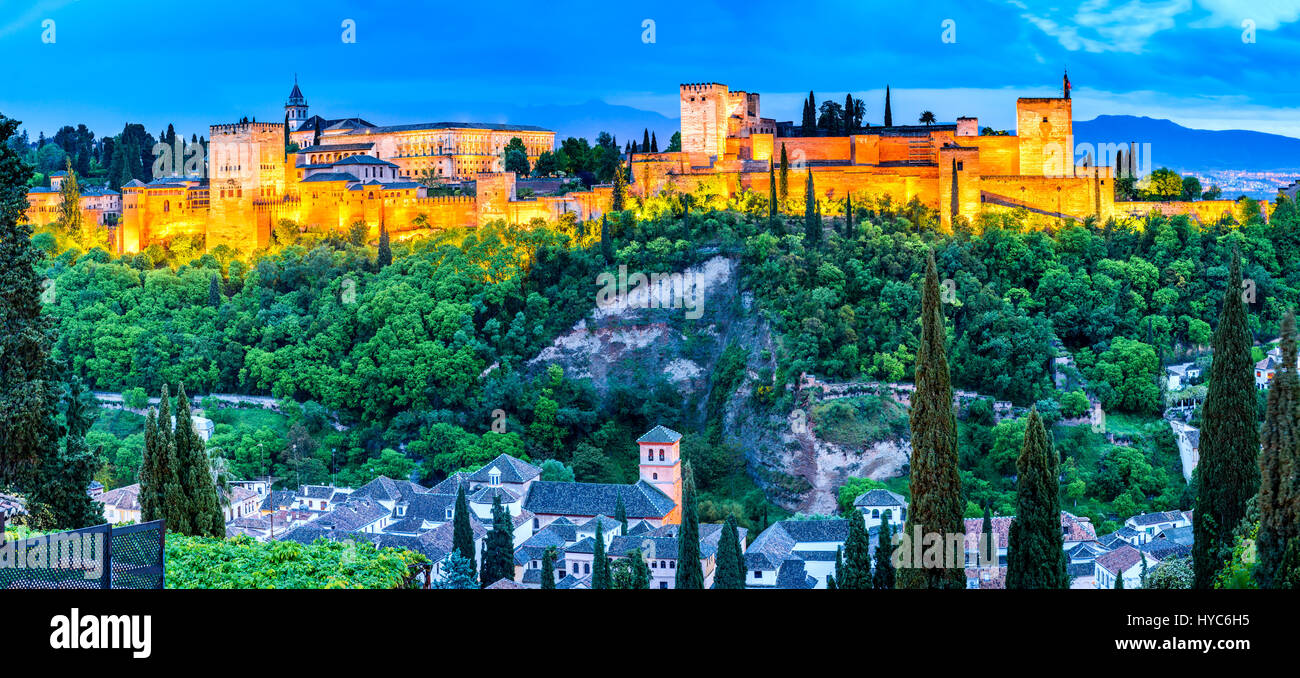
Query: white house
1152, 524
876, 504
811, 542
1125, 562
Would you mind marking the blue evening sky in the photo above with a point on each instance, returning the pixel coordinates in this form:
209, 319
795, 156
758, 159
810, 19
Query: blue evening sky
195, 64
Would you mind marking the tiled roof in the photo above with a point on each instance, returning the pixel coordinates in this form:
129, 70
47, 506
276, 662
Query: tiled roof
504, 583
1145, 519
488, 494
387, 489
362, 159
499, 127
641, 500
13, 506
660, 434
328, 148
793, 575
513, 470
329, 176
879, 498
1179, 535
452, 484
653, 548
353, 514
1163, 549
438, 541
1119, 560
123, 498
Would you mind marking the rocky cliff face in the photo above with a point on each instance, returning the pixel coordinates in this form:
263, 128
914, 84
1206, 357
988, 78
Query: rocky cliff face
639, 331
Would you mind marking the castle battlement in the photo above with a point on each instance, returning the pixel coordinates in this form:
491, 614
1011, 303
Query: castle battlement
243, 127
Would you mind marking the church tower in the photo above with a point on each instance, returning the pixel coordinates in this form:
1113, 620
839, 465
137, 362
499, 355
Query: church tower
661, 466
296, 108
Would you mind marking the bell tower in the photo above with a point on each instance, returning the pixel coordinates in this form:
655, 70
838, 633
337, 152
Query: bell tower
296, 107
661, 466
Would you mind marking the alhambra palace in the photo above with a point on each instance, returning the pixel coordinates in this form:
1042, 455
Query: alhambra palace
347, 170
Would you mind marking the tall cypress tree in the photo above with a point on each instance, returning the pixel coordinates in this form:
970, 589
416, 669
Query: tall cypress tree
883, 578
783, 180
848, 215
1228, 470
1279, 466
195, 474
771, 193
62, 479
645, 140
29, 395
599, 561
937, 504
730, 573
620, 188
620, 514
857, 554
499, 549
1035, 553
889, 116
169, 484
809, 122
812, 223
848, 114
384, 254
548, 568
462, 535
988, 540
690, 573
654, 143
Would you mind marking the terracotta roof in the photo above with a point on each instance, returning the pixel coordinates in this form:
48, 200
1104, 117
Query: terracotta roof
1120, 560
123, 498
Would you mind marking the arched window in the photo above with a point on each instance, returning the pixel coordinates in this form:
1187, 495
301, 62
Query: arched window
167, 206
661, 454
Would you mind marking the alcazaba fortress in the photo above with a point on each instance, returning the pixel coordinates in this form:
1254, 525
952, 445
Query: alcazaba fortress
348, 170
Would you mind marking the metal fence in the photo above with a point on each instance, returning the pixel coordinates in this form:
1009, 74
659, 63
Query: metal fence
100, 557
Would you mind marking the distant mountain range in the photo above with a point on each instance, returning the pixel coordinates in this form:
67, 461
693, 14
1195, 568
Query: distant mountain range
1193, 150
593, 117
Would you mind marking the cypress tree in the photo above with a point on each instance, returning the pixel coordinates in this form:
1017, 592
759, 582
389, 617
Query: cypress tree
645, 140
783, 184
857, 554
654, 143
499, 549
1119, 580
690, 573
848, 215
599, 561
462, 535
548, 568
809, 122
812, 223
1035, 553
150, 476
1279, 489
884, 575
620, 514
848, 114
937, 504
620, 187
29, 396
1228, 470
194, 471
988, 540
954, 204
889, 116
731, 563
214, 292
839, 568
771, 193
830, 583
384, 254
173, 504
62, 478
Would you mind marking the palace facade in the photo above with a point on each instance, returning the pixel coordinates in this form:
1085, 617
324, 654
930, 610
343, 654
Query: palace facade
347, 170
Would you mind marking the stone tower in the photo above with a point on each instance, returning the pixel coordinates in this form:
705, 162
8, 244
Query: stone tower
247, 177
1045, 129
661, 465
296, 107
704, 118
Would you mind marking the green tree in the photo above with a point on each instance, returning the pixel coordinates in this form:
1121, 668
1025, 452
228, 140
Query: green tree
499, 547
458, 573
548, 568
730, 573
516, 157
600, 561
63, 478
1035, 553
631, 572
28, 393
937, 504
771, 192
1279, 463
812, 223
927, 118
620, 514
1174, 573
462, 534
202, 506
857, 555
783, 182
883, 578
384, 255
1228, 471
690, 572
889, 115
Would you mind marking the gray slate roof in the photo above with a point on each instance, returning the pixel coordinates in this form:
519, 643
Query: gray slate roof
660, 434
641, 500
516, 471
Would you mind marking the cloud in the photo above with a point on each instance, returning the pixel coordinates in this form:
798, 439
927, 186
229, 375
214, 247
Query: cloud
1099, 26
1267, 14
31, 19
